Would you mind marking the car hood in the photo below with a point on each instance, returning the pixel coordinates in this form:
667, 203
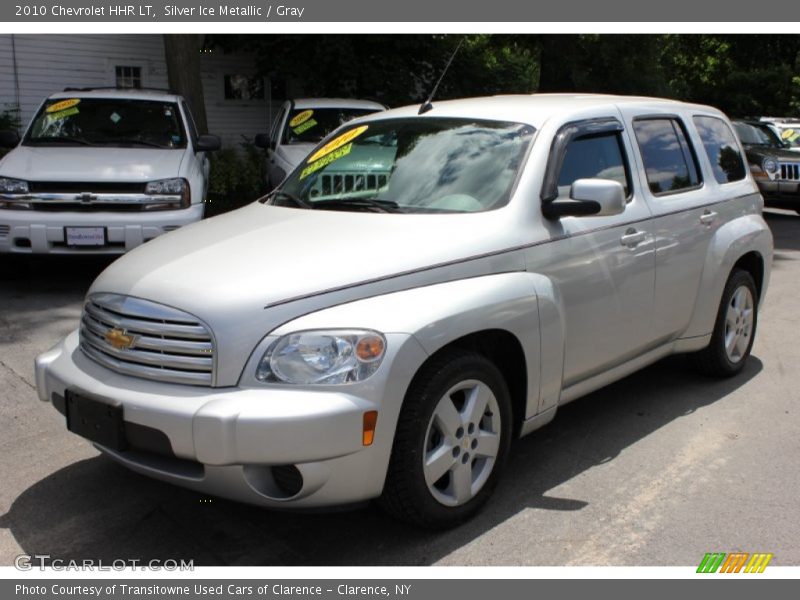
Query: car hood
246, 272
757, 154
83, 163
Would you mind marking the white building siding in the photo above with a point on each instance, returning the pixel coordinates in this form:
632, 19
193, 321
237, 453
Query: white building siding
49, 63
232, 119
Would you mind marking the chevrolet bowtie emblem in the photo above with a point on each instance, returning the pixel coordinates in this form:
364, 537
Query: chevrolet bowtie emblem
119, 339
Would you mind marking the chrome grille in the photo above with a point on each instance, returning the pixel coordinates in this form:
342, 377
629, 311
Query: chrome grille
790, 171
166, 344
5, 230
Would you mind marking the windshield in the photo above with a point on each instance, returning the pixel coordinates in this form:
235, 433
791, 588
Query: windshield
790, 136
107, 122
756, 135
411, 165
311, 125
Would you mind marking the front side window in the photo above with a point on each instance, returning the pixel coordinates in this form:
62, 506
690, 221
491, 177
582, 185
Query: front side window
721, 149
413, 165
107, 122
594, 156
668, 159
311, 125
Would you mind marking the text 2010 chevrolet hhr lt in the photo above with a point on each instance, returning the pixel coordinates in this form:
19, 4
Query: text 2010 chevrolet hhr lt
419, 291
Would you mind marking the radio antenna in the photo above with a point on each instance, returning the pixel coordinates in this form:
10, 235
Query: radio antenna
426, 106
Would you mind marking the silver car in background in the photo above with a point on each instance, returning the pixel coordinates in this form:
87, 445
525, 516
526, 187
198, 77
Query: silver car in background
419, 291
300, 125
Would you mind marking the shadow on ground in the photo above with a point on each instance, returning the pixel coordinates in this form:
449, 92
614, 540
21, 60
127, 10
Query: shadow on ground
96, 509
785, 226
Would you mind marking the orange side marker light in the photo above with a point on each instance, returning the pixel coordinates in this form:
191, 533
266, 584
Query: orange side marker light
370, 420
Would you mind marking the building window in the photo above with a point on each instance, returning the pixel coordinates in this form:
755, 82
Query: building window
129, 77
243, 87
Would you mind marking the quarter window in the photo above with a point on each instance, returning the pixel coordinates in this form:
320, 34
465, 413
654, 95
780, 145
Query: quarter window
668, 158
600, 156
721, 148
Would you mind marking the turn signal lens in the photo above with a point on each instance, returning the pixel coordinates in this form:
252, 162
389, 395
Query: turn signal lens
369, 347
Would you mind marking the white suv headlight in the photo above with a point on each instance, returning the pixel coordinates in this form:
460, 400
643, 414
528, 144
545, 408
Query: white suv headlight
13, 186
322, 357
171, 187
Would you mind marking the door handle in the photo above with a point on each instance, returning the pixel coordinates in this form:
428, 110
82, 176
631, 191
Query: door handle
707, 218
632, 238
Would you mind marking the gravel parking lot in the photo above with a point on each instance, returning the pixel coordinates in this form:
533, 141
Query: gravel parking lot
657, 469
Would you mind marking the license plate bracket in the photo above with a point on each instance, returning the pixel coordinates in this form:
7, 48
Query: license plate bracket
97, 421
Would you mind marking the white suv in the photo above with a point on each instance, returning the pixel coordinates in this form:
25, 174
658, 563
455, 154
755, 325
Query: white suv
300, 125
102, 171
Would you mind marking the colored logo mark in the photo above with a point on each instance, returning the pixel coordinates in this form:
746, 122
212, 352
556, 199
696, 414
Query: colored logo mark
735, 562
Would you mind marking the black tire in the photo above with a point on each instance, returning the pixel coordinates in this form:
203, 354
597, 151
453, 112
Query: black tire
406, 494
713, 360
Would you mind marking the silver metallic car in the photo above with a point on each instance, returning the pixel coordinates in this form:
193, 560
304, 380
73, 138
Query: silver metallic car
419, 291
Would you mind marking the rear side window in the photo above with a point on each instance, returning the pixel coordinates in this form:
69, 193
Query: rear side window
668, 158
599, 156
721, 148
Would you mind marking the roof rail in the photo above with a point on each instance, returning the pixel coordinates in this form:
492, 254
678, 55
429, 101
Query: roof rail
112, 87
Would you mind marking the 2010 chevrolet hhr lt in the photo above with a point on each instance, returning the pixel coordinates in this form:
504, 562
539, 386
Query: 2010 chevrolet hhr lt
419, 291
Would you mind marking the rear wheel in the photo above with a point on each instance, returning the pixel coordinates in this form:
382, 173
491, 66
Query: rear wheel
452, 439
734, 329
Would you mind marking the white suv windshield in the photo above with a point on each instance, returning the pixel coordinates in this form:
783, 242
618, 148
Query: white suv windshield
107, 122
310, 125
412, 165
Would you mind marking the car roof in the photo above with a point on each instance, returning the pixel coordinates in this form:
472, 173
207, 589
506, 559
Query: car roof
122, 94
535, 109
303, 103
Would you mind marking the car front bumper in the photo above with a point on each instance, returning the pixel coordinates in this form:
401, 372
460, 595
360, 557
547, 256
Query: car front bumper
40, 232
780, 194
237, 442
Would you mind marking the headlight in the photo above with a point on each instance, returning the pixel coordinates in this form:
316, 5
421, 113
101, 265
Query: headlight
770, 166
323, 357
169, 187
13, 186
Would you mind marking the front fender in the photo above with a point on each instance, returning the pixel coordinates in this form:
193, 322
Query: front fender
730, 242
439, 314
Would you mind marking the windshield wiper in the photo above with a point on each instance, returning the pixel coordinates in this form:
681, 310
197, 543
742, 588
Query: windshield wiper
298, 201
131, 141
59, 140
375, 204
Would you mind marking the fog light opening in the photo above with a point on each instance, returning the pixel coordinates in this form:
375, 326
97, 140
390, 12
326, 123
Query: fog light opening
288, 479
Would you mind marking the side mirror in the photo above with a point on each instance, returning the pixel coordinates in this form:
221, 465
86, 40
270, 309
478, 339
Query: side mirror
589, 197
262, 140
207, 143
9, 139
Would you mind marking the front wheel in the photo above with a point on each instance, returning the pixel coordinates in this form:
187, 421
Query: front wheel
452, 439
734, 329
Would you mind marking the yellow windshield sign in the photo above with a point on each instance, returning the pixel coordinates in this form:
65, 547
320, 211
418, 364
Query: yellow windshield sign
63, 105
300, 118
338, 142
